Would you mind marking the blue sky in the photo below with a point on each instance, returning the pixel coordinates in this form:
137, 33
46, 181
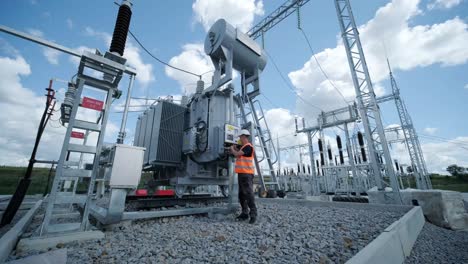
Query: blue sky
431, 67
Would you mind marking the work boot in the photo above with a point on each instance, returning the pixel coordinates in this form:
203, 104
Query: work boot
242, 217
253, 219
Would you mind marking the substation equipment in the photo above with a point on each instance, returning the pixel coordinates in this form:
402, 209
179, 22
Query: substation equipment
185, 145
377, 169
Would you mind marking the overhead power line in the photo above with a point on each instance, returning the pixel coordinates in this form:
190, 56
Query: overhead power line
289, 85
161, 61
320, 66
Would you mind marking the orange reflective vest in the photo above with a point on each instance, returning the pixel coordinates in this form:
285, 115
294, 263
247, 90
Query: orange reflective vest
245, 164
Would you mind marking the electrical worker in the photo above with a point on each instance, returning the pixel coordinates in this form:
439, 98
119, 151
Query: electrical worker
245, 169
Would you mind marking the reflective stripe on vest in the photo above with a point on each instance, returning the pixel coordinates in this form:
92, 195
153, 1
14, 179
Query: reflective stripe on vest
245, 164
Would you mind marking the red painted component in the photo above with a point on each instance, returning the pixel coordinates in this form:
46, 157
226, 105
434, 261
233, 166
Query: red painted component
164, 193
141, 192
92, 103
75, 134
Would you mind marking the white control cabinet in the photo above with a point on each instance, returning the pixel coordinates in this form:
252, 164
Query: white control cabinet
127, 163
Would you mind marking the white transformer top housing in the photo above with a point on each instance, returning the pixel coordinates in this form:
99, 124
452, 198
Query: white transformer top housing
247, 54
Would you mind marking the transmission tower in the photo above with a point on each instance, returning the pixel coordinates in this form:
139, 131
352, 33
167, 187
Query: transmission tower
411, 138
367, 104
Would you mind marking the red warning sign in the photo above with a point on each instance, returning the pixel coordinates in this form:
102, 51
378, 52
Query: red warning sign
75, 134
92, 103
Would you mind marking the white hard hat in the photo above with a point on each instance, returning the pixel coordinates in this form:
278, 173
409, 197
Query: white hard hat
244, 132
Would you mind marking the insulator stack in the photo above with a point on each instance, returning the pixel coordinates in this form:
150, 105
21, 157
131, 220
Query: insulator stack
308, 168
318, 167
397, 166
330, 156
122, 23
200, 86
303, 168
361, 144
320, 145
298, 168
67, 105
340, 149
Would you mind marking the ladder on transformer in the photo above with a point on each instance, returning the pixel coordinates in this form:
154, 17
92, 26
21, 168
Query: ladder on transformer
252, 111
60, 201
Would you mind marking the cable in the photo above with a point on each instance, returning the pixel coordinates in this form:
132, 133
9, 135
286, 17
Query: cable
443, 139
287, 83
447, 141
161, 61
269, 101
320, 66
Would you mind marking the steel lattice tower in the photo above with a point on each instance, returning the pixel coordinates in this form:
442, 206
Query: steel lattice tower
411, 138
365, 96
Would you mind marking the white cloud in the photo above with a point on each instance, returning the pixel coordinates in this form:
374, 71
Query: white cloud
35, 32
240, 13
69, 23
193, 59
438, 155
52, 55
22, 109
144, 71
441, 4
409, 47
431, 130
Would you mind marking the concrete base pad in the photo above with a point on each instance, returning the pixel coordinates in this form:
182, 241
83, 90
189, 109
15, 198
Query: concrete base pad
47, 242
395, 243
442, 208
56, 257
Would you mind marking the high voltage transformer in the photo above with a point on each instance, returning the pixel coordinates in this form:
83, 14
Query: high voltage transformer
187, 144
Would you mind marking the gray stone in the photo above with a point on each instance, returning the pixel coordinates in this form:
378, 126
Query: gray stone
55, 256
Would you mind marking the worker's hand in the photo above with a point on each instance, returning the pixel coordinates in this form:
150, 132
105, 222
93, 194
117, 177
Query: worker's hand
232, 149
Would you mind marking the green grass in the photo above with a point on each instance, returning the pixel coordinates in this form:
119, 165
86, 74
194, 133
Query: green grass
10, 176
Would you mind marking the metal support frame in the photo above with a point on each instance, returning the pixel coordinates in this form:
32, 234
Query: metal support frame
70, 169
366, 100
275, 17
122, 133
411, 138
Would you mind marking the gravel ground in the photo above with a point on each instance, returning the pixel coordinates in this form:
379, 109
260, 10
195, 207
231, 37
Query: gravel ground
440, 245
284, 233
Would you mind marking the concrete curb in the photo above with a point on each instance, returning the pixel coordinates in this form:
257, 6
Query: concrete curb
359, 206
395, 243
9, 239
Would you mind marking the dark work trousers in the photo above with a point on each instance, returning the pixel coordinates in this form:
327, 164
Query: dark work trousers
246, 194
